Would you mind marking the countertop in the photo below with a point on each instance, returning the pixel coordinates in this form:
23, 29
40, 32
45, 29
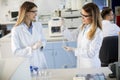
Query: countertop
68, 74
9, 68
16, 69
7, 22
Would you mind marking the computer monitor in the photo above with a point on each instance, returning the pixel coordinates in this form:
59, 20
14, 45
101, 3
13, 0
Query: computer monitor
14, 15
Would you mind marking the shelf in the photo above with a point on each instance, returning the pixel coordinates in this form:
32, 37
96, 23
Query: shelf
72, 17
69, 10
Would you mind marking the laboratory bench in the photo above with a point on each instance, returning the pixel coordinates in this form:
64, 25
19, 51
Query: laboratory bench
61, 65
17, 69
55, 55
69, 74
14, 69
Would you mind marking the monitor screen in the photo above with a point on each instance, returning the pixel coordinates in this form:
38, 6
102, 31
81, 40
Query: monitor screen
14, 14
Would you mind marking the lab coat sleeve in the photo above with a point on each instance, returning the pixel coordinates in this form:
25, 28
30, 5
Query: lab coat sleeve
71, 35
16, 45
42, 35
93, 48
117, 28
110, 29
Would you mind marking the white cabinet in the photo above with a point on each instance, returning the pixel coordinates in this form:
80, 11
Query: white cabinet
48, 51
49, 58
5, 48
57, 57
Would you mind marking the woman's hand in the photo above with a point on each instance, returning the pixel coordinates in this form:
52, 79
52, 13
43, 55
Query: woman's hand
37, 45
68, 49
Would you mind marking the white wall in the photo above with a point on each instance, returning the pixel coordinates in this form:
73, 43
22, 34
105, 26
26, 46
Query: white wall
7, 5
47, 6
44, 6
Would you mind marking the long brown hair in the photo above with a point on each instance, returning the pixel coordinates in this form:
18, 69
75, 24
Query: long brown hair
94, 11
25, 7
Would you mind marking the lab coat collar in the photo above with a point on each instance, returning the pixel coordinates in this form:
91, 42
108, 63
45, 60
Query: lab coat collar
107, 21
25, 28
87, 26
26, 25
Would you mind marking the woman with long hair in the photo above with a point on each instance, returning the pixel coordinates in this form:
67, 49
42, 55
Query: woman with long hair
89, 38
27, 37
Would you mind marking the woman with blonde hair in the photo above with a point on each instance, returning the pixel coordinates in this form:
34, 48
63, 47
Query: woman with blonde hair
27, 37
89, 37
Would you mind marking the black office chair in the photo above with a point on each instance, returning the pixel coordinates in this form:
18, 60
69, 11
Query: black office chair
109, 52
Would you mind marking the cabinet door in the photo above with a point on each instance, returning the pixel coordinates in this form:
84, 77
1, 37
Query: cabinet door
71, 54
57, 57
63, 59
49, 55
71, 43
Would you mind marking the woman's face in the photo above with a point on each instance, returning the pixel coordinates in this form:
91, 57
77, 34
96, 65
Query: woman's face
31, 15
86, 18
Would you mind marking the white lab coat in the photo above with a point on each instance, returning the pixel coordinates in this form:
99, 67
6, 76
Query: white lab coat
109, 28
22, 40
87, 51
